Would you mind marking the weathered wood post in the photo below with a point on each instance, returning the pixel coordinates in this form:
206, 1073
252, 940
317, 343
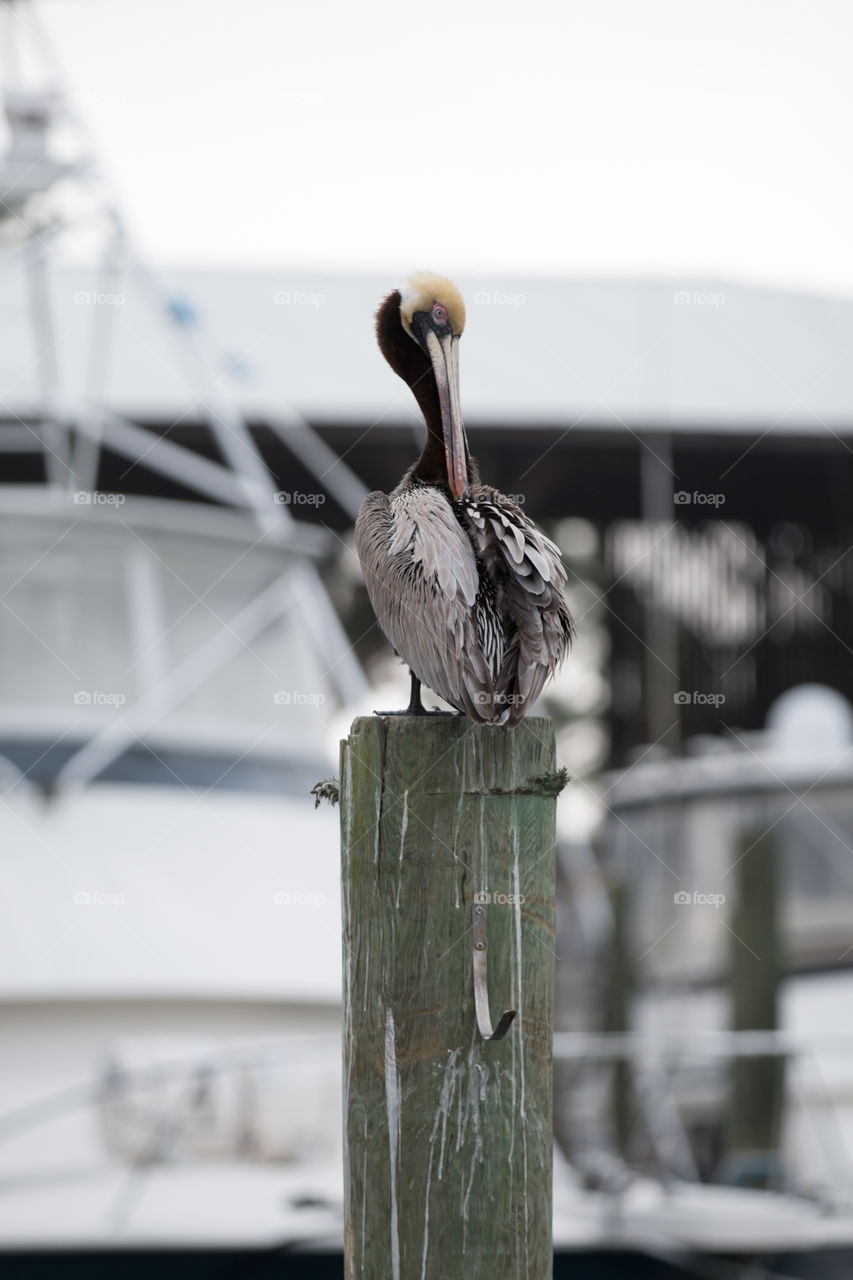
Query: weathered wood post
448, 1137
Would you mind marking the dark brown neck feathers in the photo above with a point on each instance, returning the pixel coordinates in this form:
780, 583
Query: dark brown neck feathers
413, 365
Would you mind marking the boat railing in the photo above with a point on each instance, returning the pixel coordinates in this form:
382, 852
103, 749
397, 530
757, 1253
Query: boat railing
659, 1061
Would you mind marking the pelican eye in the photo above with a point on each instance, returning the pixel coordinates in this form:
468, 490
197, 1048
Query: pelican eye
439, 313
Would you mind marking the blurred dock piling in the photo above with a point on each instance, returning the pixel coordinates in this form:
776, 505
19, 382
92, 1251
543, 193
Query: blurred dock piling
757, 1084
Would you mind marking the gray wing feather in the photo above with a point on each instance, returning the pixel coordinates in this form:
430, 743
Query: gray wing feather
528, 572
477, 609
422, 577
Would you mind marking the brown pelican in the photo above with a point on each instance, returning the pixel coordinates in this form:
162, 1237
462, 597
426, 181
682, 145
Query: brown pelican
466, 588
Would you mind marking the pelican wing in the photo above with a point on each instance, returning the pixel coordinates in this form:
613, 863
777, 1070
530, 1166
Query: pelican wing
423, 580
530, 581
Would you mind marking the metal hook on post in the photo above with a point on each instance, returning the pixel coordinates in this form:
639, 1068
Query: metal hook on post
481, 986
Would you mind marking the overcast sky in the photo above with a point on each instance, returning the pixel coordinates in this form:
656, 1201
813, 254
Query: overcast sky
603, 137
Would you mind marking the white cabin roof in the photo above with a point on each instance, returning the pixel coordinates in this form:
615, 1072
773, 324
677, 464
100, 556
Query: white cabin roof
688, 354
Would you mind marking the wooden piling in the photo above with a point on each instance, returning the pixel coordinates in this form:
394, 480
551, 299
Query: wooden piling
448, 1137
617, 999
757, 1084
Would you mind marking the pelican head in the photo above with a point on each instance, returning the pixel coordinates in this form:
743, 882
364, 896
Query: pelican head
432, 313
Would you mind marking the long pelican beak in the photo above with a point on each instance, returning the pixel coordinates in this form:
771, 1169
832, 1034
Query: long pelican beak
444, 354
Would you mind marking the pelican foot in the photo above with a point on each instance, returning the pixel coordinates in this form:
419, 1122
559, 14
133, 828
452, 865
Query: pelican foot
419, 711
416, 707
